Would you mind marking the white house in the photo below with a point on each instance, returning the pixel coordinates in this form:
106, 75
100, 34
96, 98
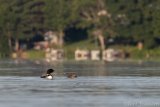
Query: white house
54, 55
108, 55
82, 55
95, 55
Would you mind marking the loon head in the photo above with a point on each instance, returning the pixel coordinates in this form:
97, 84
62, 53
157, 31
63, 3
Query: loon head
48, 74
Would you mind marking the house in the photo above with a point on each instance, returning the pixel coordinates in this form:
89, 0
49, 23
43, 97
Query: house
95, 54
52, 38
82, 55
54, 55
108, 55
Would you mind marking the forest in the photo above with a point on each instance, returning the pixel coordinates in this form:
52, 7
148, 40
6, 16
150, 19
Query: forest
136, 21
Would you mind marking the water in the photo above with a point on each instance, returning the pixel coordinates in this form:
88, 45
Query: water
98, 85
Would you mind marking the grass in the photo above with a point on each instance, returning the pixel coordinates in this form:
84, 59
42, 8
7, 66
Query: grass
34, 54
144, 54
86, 44
69, 49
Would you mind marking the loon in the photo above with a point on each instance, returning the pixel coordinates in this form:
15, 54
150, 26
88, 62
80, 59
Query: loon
71, 75
48, 74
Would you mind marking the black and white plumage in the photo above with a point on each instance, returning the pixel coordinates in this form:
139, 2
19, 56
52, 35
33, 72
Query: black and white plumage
48, 74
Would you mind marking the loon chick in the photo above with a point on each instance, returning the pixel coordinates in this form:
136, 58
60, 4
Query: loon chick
71, 75
48, 74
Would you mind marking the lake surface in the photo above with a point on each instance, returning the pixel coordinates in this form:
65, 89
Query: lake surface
117, 84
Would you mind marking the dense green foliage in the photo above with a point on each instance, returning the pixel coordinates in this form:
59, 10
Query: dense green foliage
138, 20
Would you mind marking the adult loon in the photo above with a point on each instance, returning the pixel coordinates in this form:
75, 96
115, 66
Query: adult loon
48, 74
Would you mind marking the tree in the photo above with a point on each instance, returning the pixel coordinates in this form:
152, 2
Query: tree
22, 19
93, 15
156, 18
134, 19
5, 41
57, 16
